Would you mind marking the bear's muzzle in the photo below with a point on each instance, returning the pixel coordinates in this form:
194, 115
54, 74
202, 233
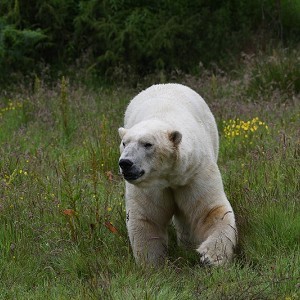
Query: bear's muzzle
129, 171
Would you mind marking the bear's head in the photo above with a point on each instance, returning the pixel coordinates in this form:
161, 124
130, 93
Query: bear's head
149, 151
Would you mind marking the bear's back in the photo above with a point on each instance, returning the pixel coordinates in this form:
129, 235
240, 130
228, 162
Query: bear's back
165, 101
165, 98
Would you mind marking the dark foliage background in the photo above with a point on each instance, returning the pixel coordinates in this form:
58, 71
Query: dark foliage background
140, 37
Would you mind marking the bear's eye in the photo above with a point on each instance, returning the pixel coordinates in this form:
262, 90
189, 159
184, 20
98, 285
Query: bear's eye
148, 145
124, 145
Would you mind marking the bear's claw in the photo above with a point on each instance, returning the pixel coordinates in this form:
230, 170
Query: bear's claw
214, 253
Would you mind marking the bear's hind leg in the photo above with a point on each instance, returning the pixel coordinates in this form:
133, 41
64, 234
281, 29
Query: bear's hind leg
182, 232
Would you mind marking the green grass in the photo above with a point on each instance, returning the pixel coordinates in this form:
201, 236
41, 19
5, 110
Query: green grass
62, 219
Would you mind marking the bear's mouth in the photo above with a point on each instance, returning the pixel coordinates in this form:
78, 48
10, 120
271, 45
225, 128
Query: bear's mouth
131, 176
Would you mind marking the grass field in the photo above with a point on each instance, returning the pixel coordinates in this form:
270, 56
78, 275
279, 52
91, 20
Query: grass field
62, 219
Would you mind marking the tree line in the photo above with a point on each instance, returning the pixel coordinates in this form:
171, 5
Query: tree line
139, 36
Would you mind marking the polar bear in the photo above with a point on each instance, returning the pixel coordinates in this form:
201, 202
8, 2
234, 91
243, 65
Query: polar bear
169, 152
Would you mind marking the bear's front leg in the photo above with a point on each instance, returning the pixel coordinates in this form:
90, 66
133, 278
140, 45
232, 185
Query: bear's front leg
219, 232
148, 240
206, 217
148, 213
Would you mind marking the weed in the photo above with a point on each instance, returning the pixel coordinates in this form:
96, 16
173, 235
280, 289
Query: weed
63, 226
244, 130
278, 72
64, 107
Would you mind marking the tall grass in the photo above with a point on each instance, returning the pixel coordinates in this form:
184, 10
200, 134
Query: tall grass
62, 218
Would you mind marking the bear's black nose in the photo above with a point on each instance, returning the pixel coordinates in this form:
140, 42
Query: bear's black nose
125, 164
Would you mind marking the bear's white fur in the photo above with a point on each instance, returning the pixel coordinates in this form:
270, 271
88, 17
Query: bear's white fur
169, 153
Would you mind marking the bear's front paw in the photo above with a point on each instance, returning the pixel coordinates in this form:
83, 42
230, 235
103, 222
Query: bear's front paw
214, 252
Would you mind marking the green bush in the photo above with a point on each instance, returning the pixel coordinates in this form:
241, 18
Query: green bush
280, 71
138, 36
160, 36
17, 48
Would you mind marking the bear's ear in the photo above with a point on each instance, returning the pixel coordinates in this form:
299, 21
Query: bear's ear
122, 132
175, 137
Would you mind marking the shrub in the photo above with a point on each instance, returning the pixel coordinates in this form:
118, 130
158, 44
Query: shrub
280, 71
17, 48
138, 36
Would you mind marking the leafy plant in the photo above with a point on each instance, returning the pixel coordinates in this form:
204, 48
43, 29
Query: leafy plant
17, 48
279, 71
139, 37
64, 200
